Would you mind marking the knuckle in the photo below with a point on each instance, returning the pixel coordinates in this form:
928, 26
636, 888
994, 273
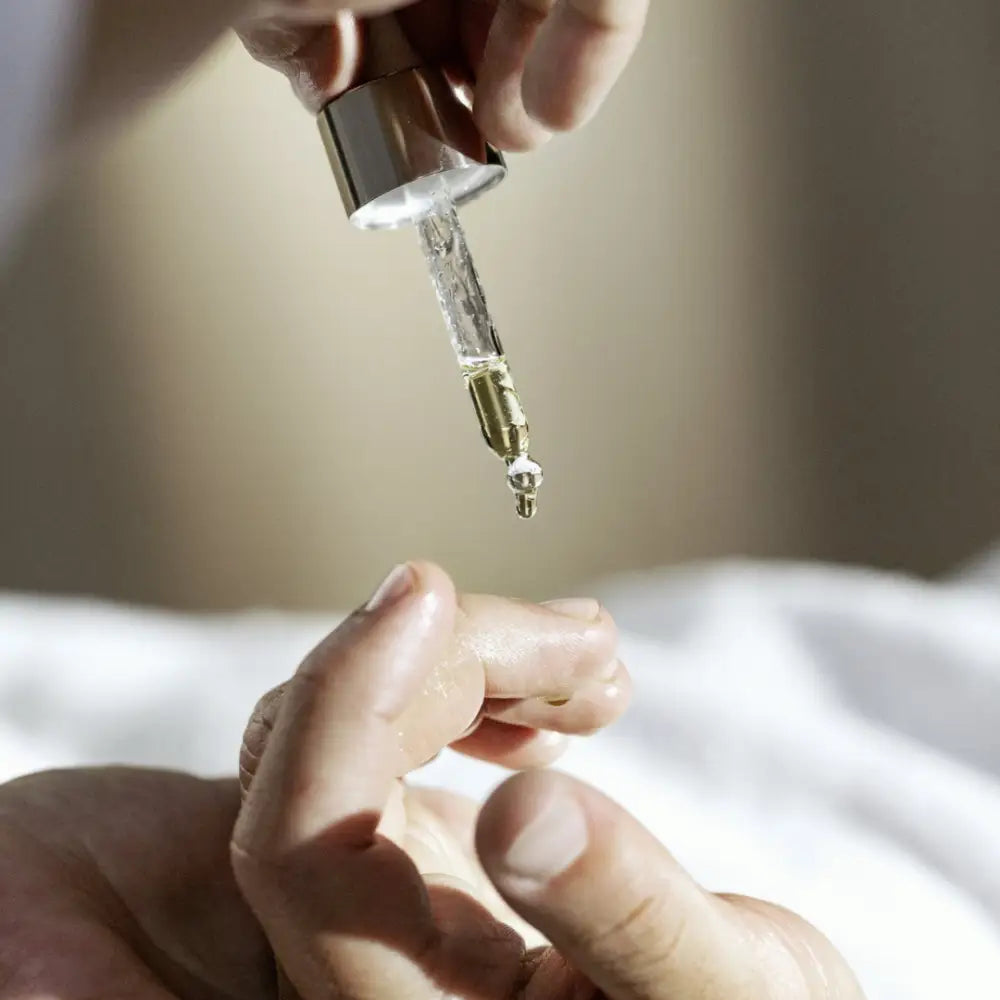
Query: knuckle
257, 734
247, 769
259, 872
266, 709
644, 942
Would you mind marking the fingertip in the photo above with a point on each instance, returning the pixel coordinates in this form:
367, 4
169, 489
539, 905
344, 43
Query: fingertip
553, 110
512, 746
530, 830
427, 589
599, 637
433, 580
554, 103
600, 640
319, 60
513, 805
597, 705
609, 699
503, 814
507, 126
497, 108
593, 706
576, 61
327, 64
381, 654
618, 694
439, 604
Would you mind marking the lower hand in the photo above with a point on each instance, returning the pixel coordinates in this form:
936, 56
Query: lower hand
117, 882
350, 913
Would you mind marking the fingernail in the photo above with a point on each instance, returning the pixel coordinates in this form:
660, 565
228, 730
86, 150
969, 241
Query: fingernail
397, 584
550, 843
583, 609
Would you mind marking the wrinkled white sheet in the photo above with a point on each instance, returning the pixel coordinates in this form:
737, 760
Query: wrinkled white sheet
829, 739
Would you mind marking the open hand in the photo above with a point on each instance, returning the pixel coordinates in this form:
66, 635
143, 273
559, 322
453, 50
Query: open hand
350, 913
117, 882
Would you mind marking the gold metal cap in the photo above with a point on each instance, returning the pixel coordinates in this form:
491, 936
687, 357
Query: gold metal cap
393, 140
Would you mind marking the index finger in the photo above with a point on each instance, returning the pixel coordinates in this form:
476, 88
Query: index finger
333, 752
579, 53
549, 667
345, 910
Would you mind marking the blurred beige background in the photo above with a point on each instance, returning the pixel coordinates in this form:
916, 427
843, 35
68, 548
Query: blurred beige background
754, 308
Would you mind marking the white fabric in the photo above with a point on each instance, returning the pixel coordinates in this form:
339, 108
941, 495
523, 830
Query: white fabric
829, 739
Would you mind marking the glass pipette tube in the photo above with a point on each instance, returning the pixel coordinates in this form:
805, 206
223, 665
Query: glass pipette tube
478, 349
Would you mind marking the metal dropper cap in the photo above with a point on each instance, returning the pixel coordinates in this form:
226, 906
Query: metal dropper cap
393, 139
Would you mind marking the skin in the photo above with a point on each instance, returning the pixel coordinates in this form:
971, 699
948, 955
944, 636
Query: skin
534, 66
319, 874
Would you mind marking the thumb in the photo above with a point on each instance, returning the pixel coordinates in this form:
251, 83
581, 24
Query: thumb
621, 910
